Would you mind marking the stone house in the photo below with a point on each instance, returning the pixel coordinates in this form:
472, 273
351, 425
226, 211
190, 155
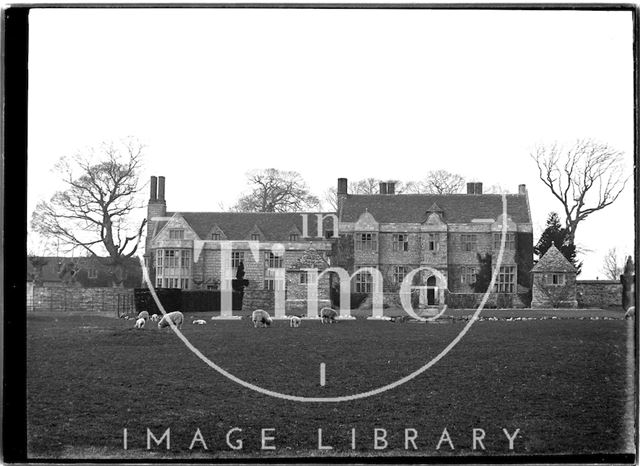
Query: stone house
451, 236
554, 281
186, 249
387, 233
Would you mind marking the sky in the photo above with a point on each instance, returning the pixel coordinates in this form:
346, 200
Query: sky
390, 94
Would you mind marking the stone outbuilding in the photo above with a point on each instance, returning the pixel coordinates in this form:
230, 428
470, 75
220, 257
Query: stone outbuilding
554, 281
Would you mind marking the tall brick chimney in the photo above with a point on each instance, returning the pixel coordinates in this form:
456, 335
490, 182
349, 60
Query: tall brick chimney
157, 207
522, 189
153, 192
478, 188
474, 188
341, 194
382, 188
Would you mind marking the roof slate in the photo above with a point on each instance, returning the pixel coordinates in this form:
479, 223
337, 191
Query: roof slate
238, 225
412, 208
553, 261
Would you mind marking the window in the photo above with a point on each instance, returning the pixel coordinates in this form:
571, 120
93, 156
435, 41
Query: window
399, 272
468, 275
366, 242
236, 258
173, 268
432, 242
468, 242
506, 280
272, 284
272, 261
303, 278
175, 233
364, 281
255, 236
215, 236
401, 242
556, 279
328, 234
92, 273
211, 287
293, 237
509, 244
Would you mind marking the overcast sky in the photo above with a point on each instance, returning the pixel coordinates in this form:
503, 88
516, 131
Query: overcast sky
334, 93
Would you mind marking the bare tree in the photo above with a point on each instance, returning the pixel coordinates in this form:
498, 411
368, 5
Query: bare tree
585, 178
438, 182
93, 212
276, 191
496, 189
612, 265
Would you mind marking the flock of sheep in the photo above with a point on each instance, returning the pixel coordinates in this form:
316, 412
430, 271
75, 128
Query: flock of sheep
259, 317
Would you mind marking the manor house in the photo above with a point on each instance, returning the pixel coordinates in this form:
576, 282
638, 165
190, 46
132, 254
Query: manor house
457, 235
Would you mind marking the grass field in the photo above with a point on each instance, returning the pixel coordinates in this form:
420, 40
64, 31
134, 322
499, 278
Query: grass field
564, 383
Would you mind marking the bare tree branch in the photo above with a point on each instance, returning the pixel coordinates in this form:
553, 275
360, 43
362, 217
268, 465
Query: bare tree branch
585, 178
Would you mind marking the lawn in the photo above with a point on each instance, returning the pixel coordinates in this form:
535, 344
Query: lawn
563, 383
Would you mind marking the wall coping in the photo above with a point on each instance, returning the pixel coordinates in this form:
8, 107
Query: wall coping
600, 282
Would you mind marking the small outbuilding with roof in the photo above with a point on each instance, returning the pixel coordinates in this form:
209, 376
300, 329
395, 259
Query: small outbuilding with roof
554, 281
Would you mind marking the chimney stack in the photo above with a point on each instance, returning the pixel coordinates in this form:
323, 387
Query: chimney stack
342, 186
474, 188
391, 187
153, 189
383, 187
161, 188
522, 189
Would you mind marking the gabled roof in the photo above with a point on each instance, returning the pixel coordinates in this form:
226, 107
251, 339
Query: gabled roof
275, 226
553, 261
412, 208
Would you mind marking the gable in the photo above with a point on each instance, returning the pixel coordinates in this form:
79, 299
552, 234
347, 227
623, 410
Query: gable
177, 222
366, 222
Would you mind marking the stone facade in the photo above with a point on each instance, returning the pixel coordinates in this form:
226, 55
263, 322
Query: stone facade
392, 233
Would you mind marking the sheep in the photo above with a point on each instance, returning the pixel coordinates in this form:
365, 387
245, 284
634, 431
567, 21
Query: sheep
328, 315
631, 312
155, 317
143, 315
199, 322
176, 317
140, 323
261, 317
294, 321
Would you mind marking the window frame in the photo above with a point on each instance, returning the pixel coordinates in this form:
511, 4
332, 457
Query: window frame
366, 241
179, 232
504, 286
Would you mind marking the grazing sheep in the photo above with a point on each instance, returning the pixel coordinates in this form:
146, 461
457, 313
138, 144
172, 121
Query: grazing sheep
328, 315
199, 322
140, 323
294, 321
143, 315
261, 317
155, 317
631, 313
176, 317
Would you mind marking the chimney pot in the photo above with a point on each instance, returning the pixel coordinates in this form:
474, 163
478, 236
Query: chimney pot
391, 187
342, 186
161, 188
471, 188
153, 189
383, 187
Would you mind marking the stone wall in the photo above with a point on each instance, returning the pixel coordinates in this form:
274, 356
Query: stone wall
495, 300
68, 299
546, 296
599, 293
258, 299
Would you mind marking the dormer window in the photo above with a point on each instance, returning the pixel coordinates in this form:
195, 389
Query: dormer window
255, 236
294, 237
215, 236
176, 233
